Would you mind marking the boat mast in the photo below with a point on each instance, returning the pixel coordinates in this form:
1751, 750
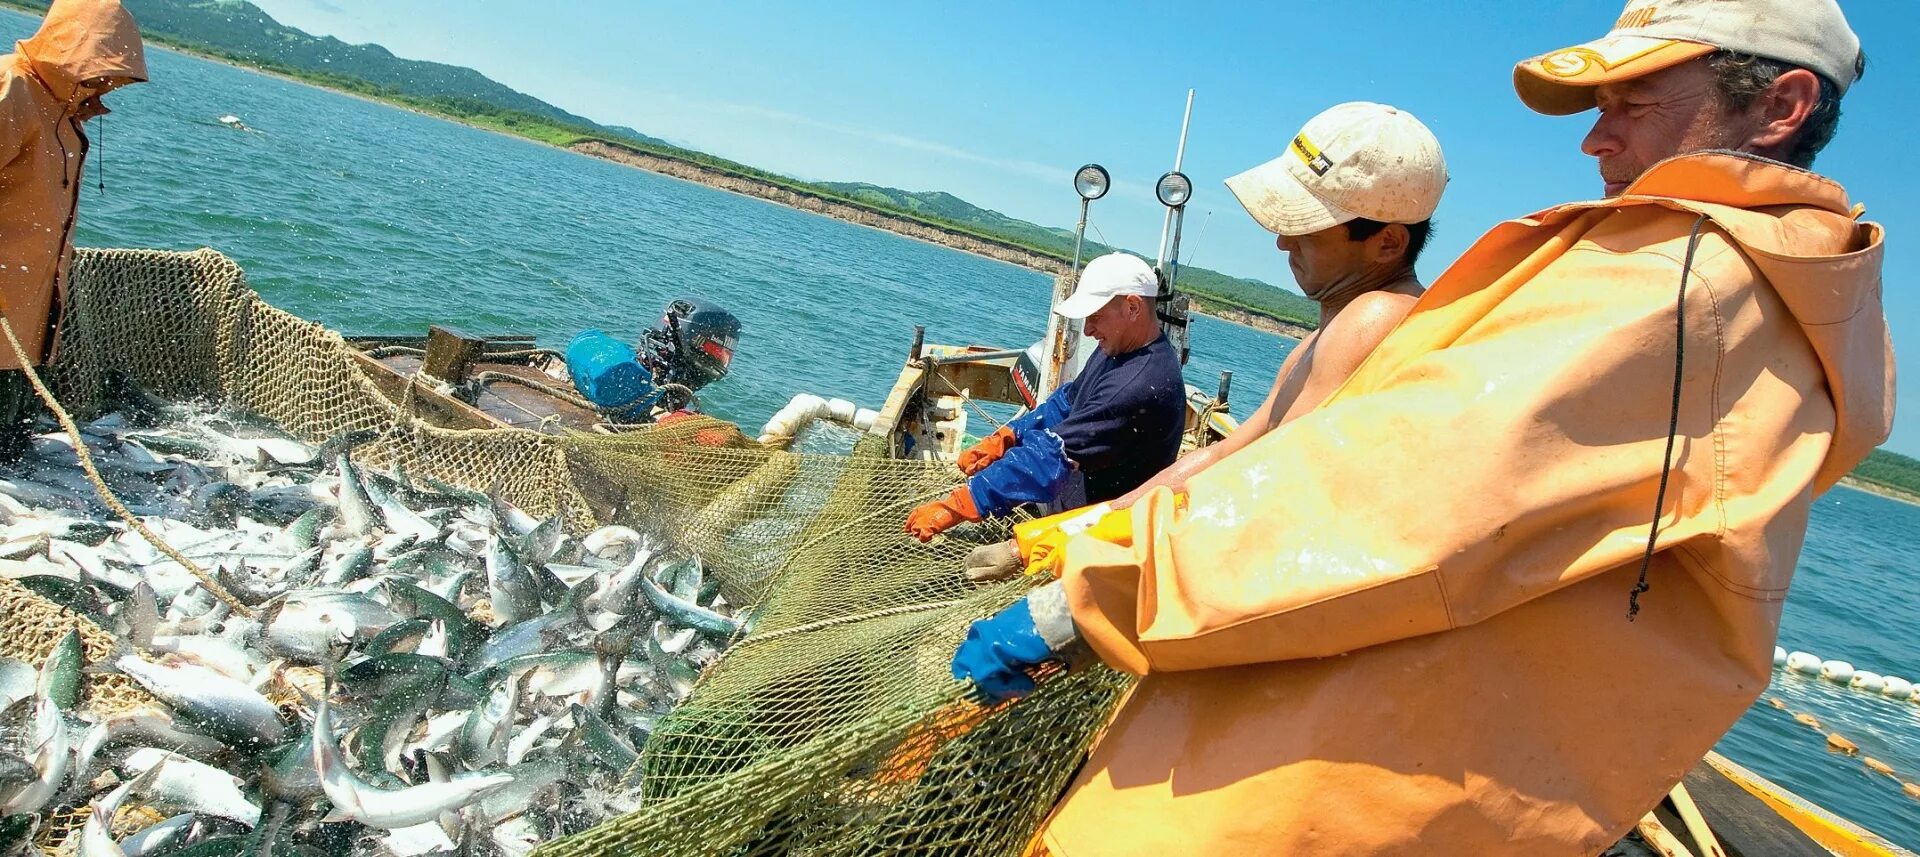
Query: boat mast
1174, 190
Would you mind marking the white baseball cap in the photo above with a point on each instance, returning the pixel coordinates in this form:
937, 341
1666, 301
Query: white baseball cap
1106, 278
1652, 35
1357, 159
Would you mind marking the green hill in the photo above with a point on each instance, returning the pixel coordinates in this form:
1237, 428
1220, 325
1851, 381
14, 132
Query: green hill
1212, 288
1889, 469
239, 31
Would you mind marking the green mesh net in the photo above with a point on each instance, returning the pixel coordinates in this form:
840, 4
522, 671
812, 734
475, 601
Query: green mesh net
832, 727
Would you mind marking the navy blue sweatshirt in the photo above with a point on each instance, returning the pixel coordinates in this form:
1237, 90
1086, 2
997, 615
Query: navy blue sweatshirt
1120, 422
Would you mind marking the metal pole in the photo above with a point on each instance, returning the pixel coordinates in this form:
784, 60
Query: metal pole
1179, 154
1080, 232
1226, 385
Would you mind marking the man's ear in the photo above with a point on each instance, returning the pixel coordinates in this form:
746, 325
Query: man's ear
1780, 110
1390, 243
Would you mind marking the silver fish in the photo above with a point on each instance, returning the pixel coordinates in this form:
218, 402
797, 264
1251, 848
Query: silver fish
357, 512
355, 800
185, 785
220, 706
514, 595
688, 613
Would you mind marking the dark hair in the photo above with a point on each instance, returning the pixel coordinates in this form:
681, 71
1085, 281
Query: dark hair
1360, 229
1740, 78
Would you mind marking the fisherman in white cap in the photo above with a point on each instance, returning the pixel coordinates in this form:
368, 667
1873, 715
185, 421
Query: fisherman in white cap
1097, 437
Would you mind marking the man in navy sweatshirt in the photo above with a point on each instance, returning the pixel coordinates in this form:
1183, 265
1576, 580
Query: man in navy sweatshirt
1099, 436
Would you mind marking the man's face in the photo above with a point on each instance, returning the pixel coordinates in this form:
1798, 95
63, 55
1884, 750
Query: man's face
1324, 261
1109, 324
1649, 119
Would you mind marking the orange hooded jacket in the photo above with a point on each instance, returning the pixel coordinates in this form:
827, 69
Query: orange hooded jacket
1398, 625
50, 84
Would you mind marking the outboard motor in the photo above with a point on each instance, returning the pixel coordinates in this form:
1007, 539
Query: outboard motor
692, 347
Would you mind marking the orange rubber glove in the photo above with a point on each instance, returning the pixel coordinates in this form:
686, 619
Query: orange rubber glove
987, 451
939, 516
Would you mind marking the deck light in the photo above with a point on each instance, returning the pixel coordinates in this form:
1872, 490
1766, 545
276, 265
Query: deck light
1091, 182
1174, 189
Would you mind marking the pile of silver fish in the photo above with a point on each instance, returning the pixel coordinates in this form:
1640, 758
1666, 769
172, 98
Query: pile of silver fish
428, 669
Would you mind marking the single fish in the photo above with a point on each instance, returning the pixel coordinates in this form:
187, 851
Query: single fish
144, 726
609, 750
59, 678
355, 800
687, 613
165, 837
304, 532
185, 785
209, 701
510, 587
357, 512
51, 757
351, 566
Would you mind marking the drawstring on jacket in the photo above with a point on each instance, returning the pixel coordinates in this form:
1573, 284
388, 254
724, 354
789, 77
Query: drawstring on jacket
1673, 420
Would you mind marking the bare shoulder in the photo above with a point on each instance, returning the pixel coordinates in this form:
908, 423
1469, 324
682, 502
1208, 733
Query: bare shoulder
1366, 321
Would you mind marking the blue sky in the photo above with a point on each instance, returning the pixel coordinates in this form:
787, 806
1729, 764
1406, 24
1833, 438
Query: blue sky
998, 102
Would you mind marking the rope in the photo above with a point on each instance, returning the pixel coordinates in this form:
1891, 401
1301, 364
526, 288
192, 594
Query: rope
964, 397
549, 389
85, 456
1673, 421
1205, 422
836, 621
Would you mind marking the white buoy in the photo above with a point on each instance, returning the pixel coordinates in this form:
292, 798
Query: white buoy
1838, 672
1871, 682
1897, 687
1804, 663
1779, 656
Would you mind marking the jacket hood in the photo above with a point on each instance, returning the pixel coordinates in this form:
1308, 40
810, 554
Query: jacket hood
86, 48
1798, 228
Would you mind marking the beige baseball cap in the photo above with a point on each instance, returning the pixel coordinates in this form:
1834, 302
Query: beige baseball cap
1106, 278
1357, 159
1652, 35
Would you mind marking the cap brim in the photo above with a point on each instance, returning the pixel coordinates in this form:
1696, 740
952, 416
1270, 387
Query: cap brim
1079, 305
1281, 204
1561, 83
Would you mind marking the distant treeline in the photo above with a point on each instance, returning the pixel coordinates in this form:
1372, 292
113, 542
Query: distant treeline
240, 33
1891, 470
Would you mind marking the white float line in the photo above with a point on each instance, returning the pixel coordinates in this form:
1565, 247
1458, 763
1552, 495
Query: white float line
1844, 674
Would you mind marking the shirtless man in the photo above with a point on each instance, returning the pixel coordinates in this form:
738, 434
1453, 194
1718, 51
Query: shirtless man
1352, 200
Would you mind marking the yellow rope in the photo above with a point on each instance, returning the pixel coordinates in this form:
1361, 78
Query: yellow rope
81, 452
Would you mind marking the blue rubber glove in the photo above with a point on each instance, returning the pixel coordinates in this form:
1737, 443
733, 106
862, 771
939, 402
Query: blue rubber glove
997, 651
1001, 648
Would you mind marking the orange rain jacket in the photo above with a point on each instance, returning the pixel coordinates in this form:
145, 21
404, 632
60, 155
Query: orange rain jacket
50, 84
1398, 624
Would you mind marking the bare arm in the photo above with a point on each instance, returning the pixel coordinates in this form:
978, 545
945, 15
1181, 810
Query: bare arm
1174, 477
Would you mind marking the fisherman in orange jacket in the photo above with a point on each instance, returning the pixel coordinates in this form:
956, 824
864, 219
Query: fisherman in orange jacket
49, 86
1526, 566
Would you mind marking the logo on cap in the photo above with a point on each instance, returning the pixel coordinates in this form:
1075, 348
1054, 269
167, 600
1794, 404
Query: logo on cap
1311, 155
1636, 18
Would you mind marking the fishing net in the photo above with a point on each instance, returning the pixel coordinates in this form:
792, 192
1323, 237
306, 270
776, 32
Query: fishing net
832, 727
